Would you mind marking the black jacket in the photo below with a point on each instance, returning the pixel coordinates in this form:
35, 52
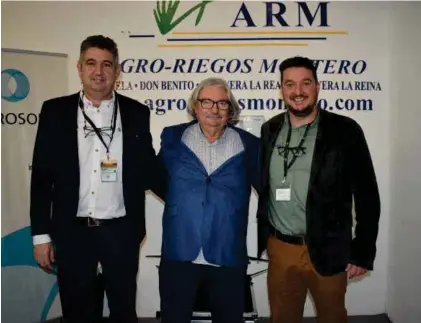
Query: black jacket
54, 195
341, 170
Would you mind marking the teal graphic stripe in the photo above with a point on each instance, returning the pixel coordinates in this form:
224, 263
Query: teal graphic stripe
17, 250
49, 302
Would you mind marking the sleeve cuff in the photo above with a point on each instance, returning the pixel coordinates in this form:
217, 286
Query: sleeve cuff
42, 238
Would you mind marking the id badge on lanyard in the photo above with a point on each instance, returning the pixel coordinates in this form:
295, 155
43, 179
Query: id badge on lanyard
283, 191
108, 166
109, 170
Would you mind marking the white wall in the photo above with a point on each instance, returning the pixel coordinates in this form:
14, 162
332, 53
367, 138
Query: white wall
404, 267
60, 27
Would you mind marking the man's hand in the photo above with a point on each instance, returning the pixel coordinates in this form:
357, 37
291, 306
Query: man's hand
44, 255
355, 271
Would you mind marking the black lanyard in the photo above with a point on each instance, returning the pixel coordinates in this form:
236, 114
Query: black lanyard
97, 131
294, 158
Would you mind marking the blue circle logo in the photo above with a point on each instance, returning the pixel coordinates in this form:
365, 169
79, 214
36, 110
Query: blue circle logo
14, 85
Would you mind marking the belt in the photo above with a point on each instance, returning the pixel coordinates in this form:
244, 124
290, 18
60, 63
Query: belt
297, 240
92, 222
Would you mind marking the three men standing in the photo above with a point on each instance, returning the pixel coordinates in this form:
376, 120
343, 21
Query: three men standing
93, 160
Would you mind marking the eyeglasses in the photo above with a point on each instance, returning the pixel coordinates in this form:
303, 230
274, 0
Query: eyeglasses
295, 151
208, 104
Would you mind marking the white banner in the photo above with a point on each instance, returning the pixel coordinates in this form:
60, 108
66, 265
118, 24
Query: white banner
167, 47
28, 78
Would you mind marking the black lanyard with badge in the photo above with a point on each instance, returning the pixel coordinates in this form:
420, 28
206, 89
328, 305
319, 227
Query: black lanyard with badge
283, 193
108, 166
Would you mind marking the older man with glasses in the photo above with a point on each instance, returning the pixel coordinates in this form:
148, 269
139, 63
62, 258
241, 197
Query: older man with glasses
211, 167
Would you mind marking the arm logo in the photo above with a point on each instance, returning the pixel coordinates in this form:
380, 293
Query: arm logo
14, 85
165, 12
268, 24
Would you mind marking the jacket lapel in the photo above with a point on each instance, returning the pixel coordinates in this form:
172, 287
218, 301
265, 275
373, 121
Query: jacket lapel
67, 116
125, 121
71, 119
125, 128
320, 147
274, 129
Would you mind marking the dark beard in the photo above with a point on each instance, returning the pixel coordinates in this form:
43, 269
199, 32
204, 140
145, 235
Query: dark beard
301, 113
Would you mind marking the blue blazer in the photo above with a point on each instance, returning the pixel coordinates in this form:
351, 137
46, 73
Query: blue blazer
208, 211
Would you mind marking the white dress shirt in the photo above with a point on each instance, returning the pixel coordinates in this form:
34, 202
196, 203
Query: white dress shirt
97, 199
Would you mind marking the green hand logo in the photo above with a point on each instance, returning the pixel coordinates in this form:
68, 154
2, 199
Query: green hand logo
165, 11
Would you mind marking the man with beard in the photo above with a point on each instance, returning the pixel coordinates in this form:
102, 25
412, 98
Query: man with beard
315, 163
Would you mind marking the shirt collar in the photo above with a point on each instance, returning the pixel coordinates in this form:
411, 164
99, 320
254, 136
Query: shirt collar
105, 103
219, 140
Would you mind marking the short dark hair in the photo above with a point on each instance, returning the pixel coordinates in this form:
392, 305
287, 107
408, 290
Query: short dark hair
298, 61
101, 42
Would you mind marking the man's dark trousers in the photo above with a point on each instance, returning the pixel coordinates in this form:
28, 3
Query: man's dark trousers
178, 286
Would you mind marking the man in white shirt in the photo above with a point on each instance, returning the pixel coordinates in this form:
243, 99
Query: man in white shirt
93, 160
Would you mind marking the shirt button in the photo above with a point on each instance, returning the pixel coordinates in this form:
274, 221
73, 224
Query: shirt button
90, 213
96, 150
94, 170
93, 192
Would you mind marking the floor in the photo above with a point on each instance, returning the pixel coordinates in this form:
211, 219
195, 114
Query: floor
353, 319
